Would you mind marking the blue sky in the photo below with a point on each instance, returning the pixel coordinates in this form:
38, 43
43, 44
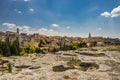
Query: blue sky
62, 17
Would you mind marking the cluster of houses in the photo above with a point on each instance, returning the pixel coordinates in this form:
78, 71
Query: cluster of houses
54, 41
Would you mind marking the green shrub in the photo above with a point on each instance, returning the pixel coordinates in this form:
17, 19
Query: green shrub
30, 49
22, 52
73, 46
82, 44
53, 49
39, 50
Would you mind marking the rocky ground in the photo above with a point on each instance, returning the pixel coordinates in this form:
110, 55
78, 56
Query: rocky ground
40, 67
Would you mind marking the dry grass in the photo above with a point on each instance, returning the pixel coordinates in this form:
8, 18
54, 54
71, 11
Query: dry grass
59, 68
66, 77
113, 48
74, 62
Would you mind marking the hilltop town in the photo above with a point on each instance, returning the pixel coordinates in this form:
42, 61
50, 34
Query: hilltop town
26, 40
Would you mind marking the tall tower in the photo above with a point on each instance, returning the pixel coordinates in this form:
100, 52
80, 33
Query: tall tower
89, 35
17, 30
18, 37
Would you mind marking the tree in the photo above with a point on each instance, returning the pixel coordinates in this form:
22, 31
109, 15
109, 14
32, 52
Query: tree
41, 43
1, 51
47, 41
94, 43
15, 48
82, 44
6, 47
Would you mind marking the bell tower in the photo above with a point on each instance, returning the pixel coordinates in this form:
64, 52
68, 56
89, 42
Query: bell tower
89, 35
17, 30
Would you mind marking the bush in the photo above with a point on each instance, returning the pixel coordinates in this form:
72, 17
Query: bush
82, 44
30, 49
22, 51
69, 47
39, 50
53, 49
73, 46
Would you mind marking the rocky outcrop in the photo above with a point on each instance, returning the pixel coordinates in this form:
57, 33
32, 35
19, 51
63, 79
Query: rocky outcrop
5, 66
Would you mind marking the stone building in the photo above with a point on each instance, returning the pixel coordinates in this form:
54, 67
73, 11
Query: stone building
94, 41
2, 36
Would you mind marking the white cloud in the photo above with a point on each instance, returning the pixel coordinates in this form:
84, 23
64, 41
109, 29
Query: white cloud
26, 0
13, 26
31, 9
114, 13
68, 27
19, 12
55, 25
106, 14
44, 31
9, 25
24, 27
29, 30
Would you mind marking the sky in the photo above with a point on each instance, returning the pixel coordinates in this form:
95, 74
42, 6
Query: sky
62, 17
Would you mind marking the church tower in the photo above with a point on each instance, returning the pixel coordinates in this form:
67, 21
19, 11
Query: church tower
17, 30
89, 35
18, 37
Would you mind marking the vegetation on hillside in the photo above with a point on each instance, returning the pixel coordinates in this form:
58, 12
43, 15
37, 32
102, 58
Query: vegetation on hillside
8, 48
12, 48
73, 46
